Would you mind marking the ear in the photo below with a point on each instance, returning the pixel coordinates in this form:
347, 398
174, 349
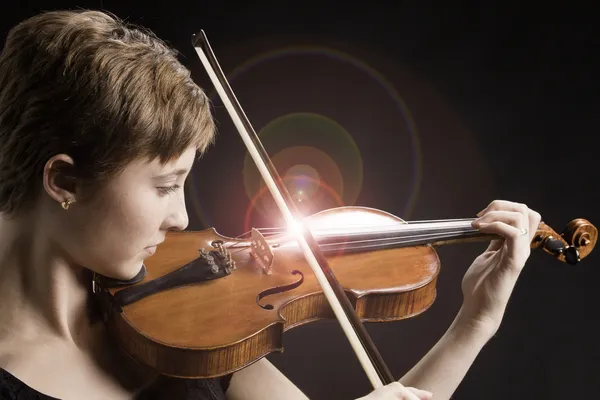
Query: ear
59, 178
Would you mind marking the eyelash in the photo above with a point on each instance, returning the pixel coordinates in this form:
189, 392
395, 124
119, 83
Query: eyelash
168, 189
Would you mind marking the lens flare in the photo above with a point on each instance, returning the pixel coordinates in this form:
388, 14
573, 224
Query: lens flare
310, 152
310, 105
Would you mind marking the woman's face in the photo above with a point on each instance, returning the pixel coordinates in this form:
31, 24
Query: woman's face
118, 228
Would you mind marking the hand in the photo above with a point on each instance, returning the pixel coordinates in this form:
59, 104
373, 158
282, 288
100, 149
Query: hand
395, 391
489, 282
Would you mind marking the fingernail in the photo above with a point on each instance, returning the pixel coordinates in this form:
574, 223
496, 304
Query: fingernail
480, 213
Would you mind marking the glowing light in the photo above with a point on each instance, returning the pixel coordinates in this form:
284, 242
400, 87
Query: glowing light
296, 227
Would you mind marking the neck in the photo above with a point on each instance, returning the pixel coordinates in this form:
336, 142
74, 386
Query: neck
435, 233
361, 238
44, 305
41, 293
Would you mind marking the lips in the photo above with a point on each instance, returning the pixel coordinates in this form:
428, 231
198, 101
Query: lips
155, 245
152, 249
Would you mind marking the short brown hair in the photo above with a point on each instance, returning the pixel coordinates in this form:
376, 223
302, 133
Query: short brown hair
104, 92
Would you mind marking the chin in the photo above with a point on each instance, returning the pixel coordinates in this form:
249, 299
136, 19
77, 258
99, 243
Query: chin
131, 272
124, 272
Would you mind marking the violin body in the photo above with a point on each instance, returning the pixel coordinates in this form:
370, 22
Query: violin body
208, 305
215, 327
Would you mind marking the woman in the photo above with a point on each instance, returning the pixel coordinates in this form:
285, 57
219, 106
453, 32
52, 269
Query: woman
100, 126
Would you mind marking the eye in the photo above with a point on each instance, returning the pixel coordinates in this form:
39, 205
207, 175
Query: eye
168, 189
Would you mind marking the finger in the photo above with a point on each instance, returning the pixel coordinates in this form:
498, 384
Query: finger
534, 223
497, 205
406, 394
398, 391
533, 218
512, 218
517, 241
421, 394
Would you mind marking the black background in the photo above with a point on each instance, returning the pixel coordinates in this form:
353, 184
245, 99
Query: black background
504, 99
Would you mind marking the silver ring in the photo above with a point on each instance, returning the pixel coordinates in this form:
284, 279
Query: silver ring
523, 232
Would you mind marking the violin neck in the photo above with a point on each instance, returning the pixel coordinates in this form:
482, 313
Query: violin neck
435, 233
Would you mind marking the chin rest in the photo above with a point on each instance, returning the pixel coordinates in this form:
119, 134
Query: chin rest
111, 282
207, 267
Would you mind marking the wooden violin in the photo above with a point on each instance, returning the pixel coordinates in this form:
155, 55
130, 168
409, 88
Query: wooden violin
210, 305
205, 305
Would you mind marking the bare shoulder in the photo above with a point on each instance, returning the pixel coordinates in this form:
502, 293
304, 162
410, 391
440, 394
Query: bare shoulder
59, 372
262, 380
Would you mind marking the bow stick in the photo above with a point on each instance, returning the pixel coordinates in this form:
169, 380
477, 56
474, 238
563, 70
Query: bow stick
361, 342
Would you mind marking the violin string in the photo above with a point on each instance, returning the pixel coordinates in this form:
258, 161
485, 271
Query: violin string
404, 228
374, 229
413, 226
366, 245
272, 231
401, 241
405, 239
238, 251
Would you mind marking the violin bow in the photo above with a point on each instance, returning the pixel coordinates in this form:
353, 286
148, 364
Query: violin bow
361, 342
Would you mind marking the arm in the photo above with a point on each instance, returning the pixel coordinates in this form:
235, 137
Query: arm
487, 287
262, 381
446, 364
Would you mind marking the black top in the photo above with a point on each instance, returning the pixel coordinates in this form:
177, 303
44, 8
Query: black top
12, 388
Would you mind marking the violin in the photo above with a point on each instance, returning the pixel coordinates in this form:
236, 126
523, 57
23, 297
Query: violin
355, 264
210, 305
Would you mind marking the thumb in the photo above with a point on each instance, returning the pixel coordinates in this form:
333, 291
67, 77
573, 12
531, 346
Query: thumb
421, 394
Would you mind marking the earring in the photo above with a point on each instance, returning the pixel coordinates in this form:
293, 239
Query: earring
66, 204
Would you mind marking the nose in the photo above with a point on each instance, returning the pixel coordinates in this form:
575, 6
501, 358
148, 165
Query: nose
177, 219
180, 221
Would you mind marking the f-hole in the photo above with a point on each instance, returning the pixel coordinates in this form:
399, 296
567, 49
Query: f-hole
279, 289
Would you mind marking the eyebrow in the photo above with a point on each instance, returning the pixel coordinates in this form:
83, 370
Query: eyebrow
177, 172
